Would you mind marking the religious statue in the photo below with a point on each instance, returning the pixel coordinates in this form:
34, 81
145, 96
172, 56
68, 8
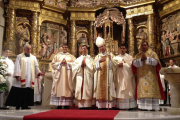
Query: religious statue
141, 36
63, 35
47, 47
82, 40
23, 36
166, 43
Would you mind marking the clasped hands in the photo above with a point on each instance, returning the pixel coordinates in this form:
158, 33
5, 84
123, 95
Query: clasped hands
143, 57
64, 62
121, 64
83, 64
103, 59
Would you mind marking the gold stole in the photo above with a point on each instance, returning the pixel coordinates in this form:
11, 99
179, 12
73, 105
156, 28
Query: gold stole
103, 81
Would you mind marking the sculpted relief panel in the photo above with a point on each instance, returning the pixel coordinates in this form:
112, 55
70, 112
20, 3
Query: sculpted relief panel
52, 36
94, 3
170, 36
56, 3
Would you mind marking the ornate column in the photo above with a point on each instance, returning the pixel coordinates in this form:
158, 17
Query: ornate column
131, 36
10, 31
151, 39
123, 33
91, 39
34, 30
38, 38
73, 41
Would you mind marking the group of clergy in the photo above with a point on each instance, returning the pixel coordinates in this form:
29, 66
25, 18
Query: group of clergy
105, 81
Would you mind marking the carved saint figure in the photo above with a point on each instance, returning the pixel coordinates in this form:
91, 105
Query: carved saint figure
166, 43
141, 36
63, 35
22, 33
82, 40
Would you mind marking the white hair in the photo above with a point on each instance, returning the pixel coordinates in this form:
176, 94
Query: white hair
26, 45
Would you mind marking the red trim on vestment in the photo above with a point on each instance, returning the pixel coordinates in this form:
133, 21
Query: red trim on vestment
22, 80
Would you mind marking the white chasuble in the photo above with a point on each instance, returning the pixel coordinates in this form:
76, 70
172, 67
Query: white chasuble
125, 82
62, 75
104, 76
10, 70
83, 77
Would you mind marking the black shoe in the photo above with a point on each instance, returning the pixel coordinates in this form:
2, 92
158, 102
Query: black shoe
144, 110
66, 107
59, 107
4, 108
25, 108
131, 109
152, 110
103, 108
17, 107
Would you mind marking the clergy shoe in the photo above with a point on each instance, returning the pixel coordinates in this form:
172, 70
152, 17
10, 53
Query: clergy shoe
25, 108
66, 107
131, 109
17, 107
59, 107
152, 110
144, 110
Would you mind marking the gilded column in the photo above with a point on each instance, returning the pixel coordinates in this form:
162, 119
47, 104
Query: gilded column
38, 38
73, 41
151, 39
131, 36
91, 39
10, 31
123, 33
34, 32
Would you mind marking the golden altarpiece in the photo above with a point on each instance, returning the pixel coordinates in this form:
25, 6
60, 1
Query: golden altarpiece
47, 24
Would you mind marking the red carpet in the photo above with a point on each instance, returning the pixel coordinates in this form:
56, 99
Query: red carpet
74, 115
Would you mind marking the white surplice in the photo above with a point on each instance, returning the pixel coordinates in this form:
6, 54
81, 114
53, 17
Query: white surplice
10, 70
147, 103
83, 87
28, 70
125, 83
103, 101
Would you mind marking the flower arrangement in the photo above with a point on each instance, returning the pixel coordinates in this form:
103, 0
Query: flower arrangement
3, 70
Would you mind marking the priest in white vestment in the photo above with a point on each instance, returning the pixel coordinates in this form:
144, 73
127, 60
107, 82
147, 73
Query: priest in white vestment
22, 91
83, 77
104, 86
10, 69
125, 81
62, 87
149, 89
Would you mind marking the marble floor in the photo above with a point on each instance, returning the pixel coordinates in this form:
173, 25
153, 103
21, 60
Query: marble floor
13, 114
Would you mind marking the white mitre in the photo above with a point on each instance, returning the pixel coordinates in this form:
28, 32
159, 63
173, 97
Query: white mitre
100, 41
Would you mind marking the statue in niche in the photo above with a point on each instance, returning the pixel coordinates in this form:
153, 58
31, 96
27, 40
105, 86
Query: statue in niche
23, 35
166, 43
141, 36
47, 47
82, 40
63, 35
